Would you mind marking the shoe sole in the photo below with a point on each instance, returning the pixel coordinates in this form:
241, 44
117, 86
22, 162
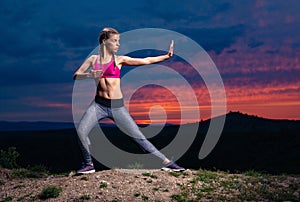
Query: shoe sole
175, 170
86, 172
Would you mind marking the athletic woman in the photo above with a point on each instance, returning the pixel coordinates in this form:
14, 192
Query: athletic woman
108, 103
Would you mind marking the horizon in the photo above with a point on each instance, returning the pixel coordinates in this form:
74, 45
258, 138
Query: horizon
109, 122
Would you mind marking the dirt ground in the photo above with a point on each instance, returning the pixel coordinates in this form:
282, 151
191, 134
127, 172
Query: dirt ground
148, 185
108, 185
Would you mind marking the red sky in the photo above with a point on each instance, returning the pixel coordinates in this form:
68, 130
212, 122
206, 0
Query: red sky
264, 101
256, 83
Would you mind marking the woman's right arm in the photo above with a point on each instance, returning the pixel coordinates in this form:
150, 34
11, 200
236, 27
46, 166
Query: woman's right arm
81, 73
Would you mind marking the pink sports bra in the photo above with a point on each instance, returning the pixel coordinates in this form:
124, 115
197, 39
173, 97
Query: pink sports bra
110, 70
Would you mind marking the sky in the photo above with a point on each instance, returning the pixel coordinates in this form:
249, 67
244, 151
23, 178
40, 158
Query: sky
255, 46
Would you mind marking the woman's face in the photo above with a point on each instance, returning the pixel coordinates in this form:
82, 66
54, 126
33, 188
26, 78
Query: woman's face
112, 43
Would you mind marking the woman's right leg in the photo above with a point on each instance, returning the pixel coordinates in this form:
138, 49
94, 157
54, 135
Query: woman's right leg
86, 124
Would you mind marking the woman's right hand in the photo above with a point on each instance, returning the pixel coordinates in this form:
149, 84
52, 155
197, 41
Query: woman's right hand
95, 73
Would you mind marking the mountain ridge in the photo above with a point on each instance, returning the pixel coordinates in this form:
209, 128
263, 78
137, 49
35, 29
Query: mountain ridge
48, 125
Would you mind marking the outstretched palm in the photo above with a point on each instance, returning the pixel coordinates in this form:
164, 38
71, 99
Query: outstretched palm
171, 50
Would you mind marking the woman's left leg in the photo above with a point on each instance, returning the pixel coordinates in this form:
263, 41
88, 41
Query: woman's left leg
125, 122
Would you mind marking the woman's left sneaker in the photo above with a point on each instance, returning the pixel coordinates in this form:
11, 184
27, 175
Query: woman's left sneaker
172, 166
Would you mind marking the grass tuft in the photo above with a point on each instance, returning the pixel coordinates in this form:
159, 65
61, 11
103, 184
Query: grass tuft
85, 197
103, 185
50, 192
135, 165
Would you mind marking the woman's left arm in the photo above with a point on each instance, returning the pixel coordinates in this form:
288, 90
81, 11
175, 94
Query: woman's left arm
129, 61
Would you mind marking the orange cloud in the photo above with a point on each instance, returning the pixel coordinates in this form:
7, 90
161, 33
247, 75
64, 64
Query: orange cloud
273, 100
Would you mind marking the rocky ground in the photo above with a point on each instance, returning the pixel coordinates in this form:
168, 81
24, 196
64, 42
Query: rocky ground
147, 185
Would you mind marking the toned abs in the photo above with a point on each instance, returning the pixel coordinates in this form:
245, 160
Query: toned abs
109, 88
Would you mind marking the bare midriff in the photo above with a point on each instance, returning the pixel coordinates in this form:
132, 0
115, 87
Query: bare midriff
109, 88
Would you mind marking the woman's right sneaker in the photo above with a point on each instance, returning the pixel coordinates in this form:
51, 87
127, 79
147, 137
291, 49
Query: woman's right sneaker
86, 168
172, 166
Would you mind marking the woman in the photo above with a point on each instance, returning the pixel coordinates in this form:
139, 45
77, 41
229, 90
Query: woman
109, 99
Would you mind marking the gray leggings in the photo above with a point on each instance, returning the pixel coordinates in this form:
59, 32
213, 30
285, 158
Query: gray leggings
122, 119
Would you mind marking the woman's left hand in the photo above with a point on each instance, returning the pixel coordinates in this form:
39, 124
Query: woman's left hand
171, 50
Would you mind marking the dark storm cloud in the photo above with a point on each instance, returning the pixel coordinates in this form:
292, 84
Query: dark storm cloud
176, 11
17, 32
73, 36
195, 20
37, 40
220, 38
216, 39
18, 12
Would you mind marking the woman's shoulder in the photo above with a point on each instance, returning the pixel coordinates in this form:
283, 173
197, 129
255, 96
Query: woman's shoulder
120, 58
92, 58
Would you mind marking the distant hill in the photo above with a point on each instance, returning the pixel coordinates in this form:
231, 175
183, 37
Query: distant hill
45, 125
251, 142
239, 122
235, 122
33, 126
246, 143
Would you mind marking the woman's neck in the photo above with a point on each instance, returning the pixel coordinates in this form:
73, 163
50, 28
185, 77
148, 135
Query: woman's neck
105, 56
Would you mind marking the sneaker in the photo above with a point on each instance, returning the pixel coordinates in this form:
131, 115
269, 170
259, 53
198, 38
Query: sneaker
86, 168
172, 166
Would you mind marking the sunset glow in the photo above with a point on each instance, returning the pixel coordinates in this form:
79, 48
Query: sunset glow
264, 101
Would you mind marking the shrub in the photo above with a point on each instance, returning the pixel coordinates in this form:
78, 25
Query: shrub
26, 173
8, 158
50, 192
39, 169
